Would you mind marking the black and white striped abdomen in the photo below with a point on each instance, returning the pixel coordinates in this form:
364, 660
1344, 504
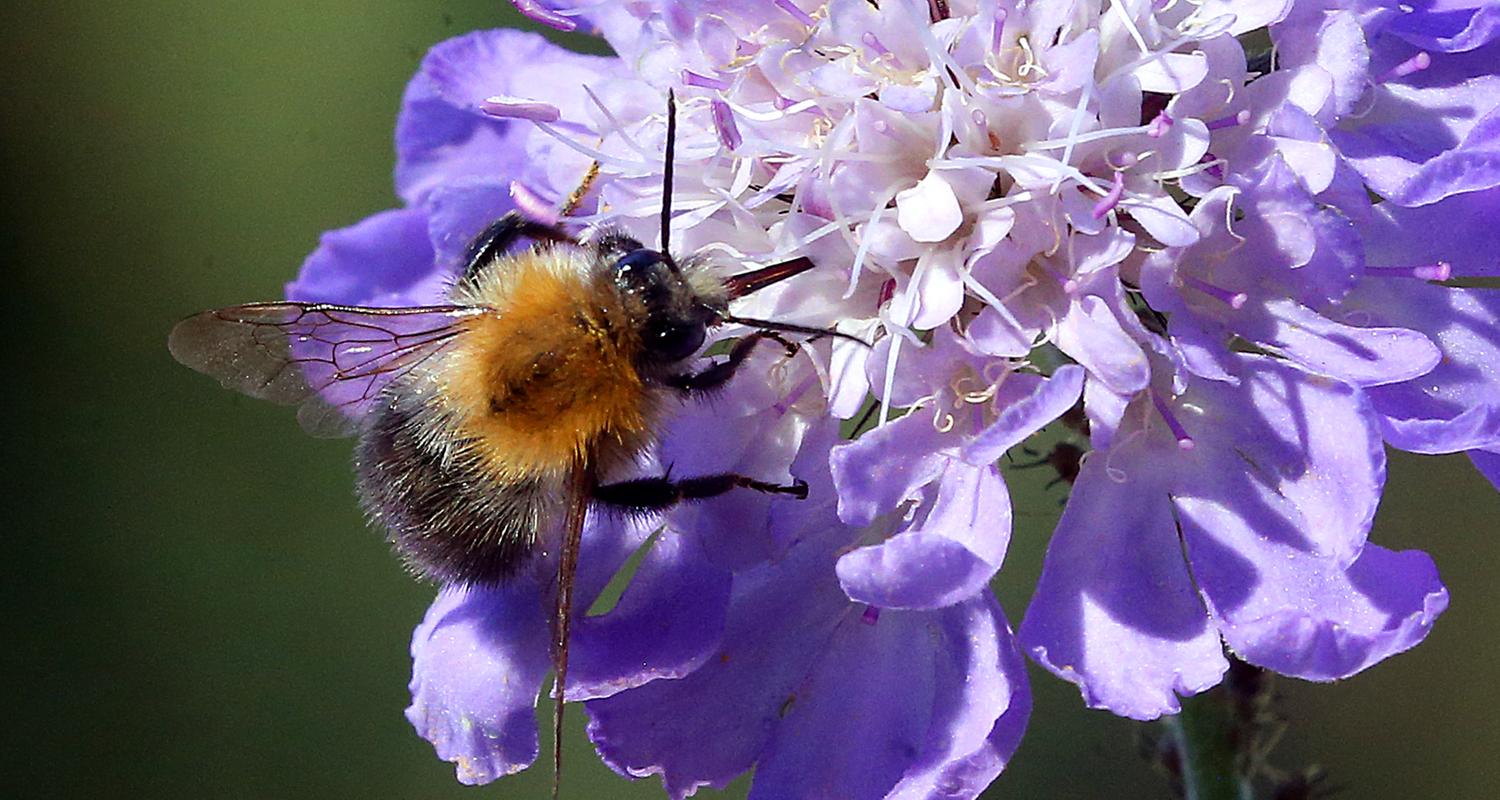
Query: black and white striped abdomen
450, 521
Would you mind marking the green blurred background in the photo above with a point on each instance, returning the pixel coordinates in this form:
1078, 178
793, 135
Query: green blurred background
194, 606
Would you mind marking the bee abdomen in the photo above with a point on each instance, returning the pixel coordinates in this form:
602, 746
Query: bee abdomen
448, 521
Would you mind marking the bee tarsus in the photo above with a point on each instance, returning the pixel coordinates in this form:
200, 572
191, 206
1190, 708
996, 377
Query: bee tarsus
718, 374
660, 493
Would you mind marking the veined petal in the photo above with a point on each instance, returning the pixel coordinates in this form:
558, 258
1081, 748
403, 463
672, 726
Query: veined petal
459, 211
469, 69
1300, 614
707, 727
869, 733
1091, 334
666, 623
929, 211
1451, 148
442, 134
478, 662
947, 557
914, 570
1297, 457
1488, 464
988, 675
438, 142
1248, 15
1456, 406
1399, 235
1334, 40
954, 722
1171, 73
480, 654
1026, 416
1163, 219
1105, 409
1115, 611
1449, 27
386, 260
1364, 356
886, 466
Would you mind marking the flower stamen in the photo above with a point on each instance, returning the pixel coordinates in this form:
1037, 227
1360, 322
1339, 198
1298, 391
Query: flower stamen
1112, 198
1439, 271
1241, 118
881, 51
1077, 122
890, 380
795, 11
536, 12
1212, 164
982, 122
1235, 300
596, 154
1159, 125
729, 133
1184, 441
1085, 138
997, 30
1029, 65
1135, 33
1410, 66
691, 78
507, 107
616, 126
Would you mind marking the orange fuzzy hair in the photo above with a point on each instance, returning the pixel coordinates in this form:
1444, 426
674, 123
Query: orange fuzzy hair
548, 380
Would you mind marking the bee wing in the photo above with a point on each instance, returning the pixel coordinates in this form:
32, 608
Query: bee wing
333, 360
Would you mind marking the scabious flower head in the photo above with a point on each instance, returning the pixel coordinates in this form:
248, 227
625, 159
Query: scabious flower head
1234, 260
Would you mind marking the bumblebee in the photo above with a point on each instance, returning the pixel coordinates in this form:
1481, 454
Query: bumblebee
487, 425
483, 421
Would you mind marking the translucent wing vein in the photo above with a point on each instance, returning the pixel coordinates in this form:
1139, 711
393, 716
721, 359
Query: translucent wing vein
332, 360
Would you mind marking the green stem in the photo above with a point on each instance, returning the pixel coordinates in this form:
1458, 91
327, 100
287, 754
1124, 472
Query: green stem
1206, 737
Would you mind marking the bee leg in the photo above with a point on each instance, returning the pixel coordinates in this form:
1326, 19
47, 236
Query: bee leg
659, 494
505, 232
718, 374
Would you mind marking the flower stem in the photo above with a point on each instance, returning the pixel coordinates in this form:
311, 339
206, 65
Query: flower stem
1206, 736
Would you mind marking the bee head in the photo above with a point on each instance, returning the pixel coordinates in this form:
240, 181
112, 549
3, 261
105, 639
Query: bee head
672, 307
667, 312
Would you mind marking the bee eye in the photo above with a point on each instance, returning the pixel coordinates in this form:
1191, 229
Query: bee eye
674, 341
639, 268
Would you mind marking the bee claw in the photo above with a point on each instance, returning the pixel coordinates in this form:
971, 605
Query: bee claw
798, 489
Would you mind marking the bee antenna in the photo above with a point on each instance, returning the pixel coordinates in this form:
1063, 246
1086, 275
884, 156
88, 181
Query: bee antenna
787, 327
666, 180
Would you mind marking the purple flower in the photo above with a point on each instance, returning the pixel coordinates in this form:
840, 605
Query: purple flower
799, 662
1237, 269
1414, 105
1271, 512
